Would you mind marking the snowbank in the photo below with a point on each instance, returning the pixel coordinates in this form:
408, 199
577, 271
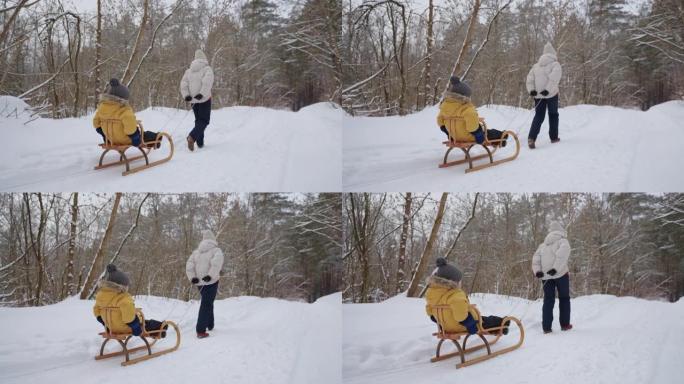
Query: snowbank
615, 340
256, 340
602, 149
247, 149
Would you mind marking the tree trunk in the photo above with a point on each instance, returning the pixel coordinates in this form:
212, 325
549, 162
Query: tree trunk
427, 252
401, 274
98, 50
466, 41
428, 56
99, 256
128, 72
69, 288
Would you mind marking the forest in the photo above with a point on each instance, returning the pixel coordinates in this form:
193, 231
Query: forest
622, 244
399, 54
57, 55
53, 246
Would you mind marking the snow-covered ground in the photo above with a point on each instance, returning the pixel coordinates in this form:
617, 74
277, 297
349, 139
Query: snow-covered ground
247, 149
256, 340
615, 340
602, 149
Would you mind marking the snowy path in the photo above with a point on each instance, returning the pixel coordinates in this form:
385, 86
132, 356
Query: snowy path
602, 149
256, 341
615, 340
247, 149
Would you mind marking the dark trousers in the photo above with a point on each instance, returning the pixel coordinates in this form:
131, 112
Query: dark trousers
202, 114
539, 112
205, 318
562, 284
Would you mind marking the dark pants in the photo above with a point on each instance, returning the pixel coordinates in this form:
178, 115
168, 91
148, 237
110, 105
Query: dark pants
540, 112
205, 318
562, 284
202, 114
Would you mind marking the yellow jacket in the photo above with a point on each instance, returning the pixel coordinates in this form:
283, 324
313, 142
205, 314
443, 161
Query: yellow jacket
112, 107
457, 106
113, 295
446, 292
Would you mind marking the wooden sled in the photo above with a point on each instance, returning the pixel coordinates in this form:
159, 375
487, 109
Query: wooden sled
441, 311
490, 146
108, 126
150, 338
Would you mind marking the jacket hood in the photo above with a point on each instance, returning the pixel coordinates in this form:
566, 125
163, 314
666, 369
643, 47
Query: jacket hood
549, 50
556, 232
105, 284
549, 56
113, 98
456, 97
436, 281
200, 55
206, 245
198, 65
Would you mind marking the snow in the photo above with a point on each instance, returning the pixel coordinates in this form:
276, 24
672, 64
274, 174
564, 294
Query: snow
246, 149
256, 340
602, 149
614, 340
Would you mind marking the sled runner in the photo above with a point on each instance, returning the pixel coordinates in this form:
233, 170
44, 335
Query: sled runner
150, 338
490, 146
145, 148
442, 311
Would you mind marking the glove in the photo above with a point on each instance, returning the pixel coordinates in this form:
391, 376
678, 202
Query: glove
206, 278
545, 92
135, 326
135, 138
188, 98
533, 93
539, 274
479, 135
470, 324
194, 280
198, 96
552, 271
99, 319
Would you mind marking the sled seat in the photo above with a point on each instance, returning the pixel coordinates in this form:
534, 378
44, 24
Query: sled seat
442, 311
490, 147
149, 339
108, 127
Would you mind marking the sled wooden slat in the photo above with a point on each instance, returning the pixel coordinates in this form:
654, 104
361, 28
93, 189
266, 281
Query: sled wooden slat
442, 311
490, 147
108, 126
124, 338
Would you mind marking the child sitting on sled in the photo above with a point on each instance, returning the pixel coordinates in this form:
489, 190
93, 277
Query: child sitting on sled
457, 104
113, 292
444, 288
114, 105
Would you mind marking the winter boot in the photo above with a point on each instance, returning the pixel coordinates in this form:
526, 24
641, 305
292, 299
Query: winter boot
566, 327
505, 330
191, 143
555, 140
530, 143
202, 335
547, 331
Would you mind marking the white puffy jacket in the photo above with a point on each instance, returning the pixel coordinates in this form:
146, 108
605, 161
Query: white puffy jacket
198, 79
553, 253
545, 74
207, 259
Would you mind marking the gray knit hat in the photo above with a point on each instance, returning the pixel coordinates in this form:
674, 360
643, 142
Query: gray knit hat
115, 276
117, 89
447, 271
459, 87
